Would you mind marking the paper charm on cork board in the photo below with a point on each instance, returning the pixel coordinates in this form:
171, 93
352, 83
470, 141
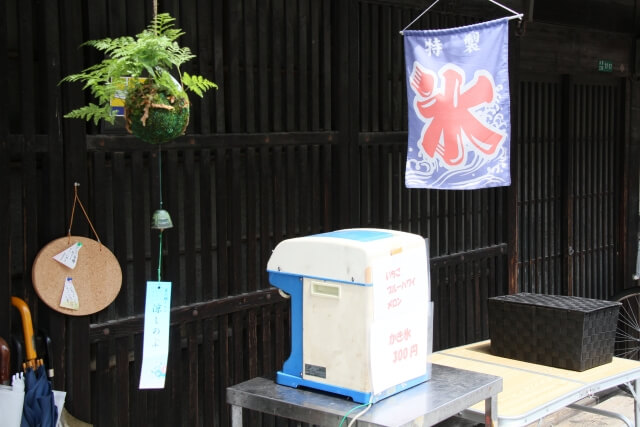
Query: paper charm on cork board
76, 275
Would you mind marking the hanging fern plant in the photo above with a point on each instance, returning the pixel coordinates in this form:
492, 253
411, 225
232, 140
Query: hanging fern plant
156, 104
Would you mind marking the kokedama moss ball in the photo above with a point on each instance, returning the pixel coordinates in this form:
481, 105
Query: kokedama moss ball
155, 116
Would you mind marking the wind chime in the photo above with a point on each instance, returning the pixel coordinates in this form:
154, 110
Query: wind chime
161, 220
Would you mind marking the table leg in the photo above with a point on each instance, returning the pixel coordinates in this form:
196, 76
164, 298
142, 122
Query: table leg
236, 416
636, 409
491, 411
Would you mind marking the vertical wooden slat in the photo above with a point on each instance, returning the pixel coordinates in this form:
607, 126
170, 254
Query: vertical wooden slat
302, 92
314, 47
278, 34
266, 343
222, 222
376, 84
205, 60
600, 290
266, 191
138, 406
279, 195
252, 344
326, 87
398, 84
315, 196
120, 231
206, 225
385, 53
304, 189
396, 197
291, 101
264, 46
328, 185
567, 155
122, 374
292, 191
545, 188
365, 66
187, 19
193, 374
580, 213
155, 169
237, 186
170, 201
268, 350
219, 78
209, 372
193, 287
251, 74
139, 217
105, 405
225, 365
175, 382
102, 208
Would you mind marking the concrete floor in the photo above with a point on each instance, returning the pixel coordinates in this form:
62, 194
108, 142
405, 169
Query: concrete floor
619, 402
613, 400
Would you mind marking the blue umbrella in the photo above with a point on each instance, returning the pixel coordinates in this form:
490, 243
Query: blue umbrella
39, 408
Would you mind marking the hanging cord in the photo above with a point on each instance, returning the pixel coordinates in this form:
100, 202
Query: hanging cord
160, 258
516, 15
160, 234
419, 16
73, 211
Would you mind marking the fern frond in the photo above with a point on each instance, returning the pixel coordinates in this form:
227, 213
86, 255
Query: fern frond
92, 111
197, 84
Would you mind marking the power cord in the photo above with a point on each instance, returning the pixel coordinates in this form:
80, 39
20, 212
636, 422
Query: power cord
353, 420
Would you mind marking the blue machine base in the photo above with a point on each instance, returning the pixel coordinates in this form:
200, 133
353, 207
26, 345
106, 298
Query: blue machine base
357, 396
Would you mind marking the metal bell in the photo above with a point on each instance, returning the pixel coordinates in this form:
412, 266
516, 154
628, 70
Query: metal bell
161, 220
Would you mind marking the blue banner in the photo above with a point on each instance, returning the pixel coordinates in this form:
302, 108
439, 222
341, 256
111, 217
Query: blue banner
459, 116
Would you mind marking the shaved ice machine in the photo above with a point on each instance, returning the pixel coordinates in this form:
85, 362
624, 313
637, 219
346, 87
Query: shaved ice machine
360, 311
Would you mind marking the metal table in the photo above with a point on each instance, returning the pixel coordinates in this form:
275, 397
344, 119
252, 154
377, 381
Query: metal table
450, 391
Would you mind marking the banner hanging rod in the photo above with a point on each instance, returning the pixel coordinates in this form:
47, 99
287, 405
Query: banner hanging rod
515, 15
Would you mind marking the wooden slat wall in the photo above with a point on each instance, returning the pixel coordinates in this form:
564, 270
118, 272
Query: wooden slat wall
218, 245
567, 209
597, 148
540, 193
212, 345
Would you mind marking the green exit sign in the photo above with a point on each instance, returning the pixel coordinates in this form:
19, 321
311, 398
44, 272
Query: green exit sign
605, 66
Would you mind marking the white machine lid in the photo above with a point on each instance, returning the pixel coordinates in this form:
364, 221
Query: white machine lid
342, 255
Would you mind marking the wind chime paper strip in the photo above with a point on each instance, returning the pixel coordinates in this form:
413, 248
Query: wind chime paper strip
69, 257
155, 347
69, 297
459, 115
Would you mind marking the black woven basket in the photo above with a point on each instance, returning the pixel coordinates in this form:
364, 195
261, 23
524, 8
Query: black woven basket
565, 332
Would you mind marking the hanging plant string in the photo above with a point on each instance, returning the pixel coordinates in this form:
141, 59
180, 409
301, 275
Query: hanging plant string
160, 234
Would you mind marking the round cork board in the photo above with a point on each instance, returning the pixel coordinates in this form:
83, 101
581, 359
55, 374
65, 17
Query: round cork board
97, 276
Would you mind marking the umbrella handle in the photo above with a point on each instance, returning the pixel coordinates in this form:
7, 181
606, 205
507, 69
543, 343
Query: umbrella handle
27, 329
5, 371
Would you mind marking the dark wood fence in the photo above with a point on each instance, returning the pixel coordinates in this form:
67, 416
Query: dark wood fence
568, 186
307, 133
